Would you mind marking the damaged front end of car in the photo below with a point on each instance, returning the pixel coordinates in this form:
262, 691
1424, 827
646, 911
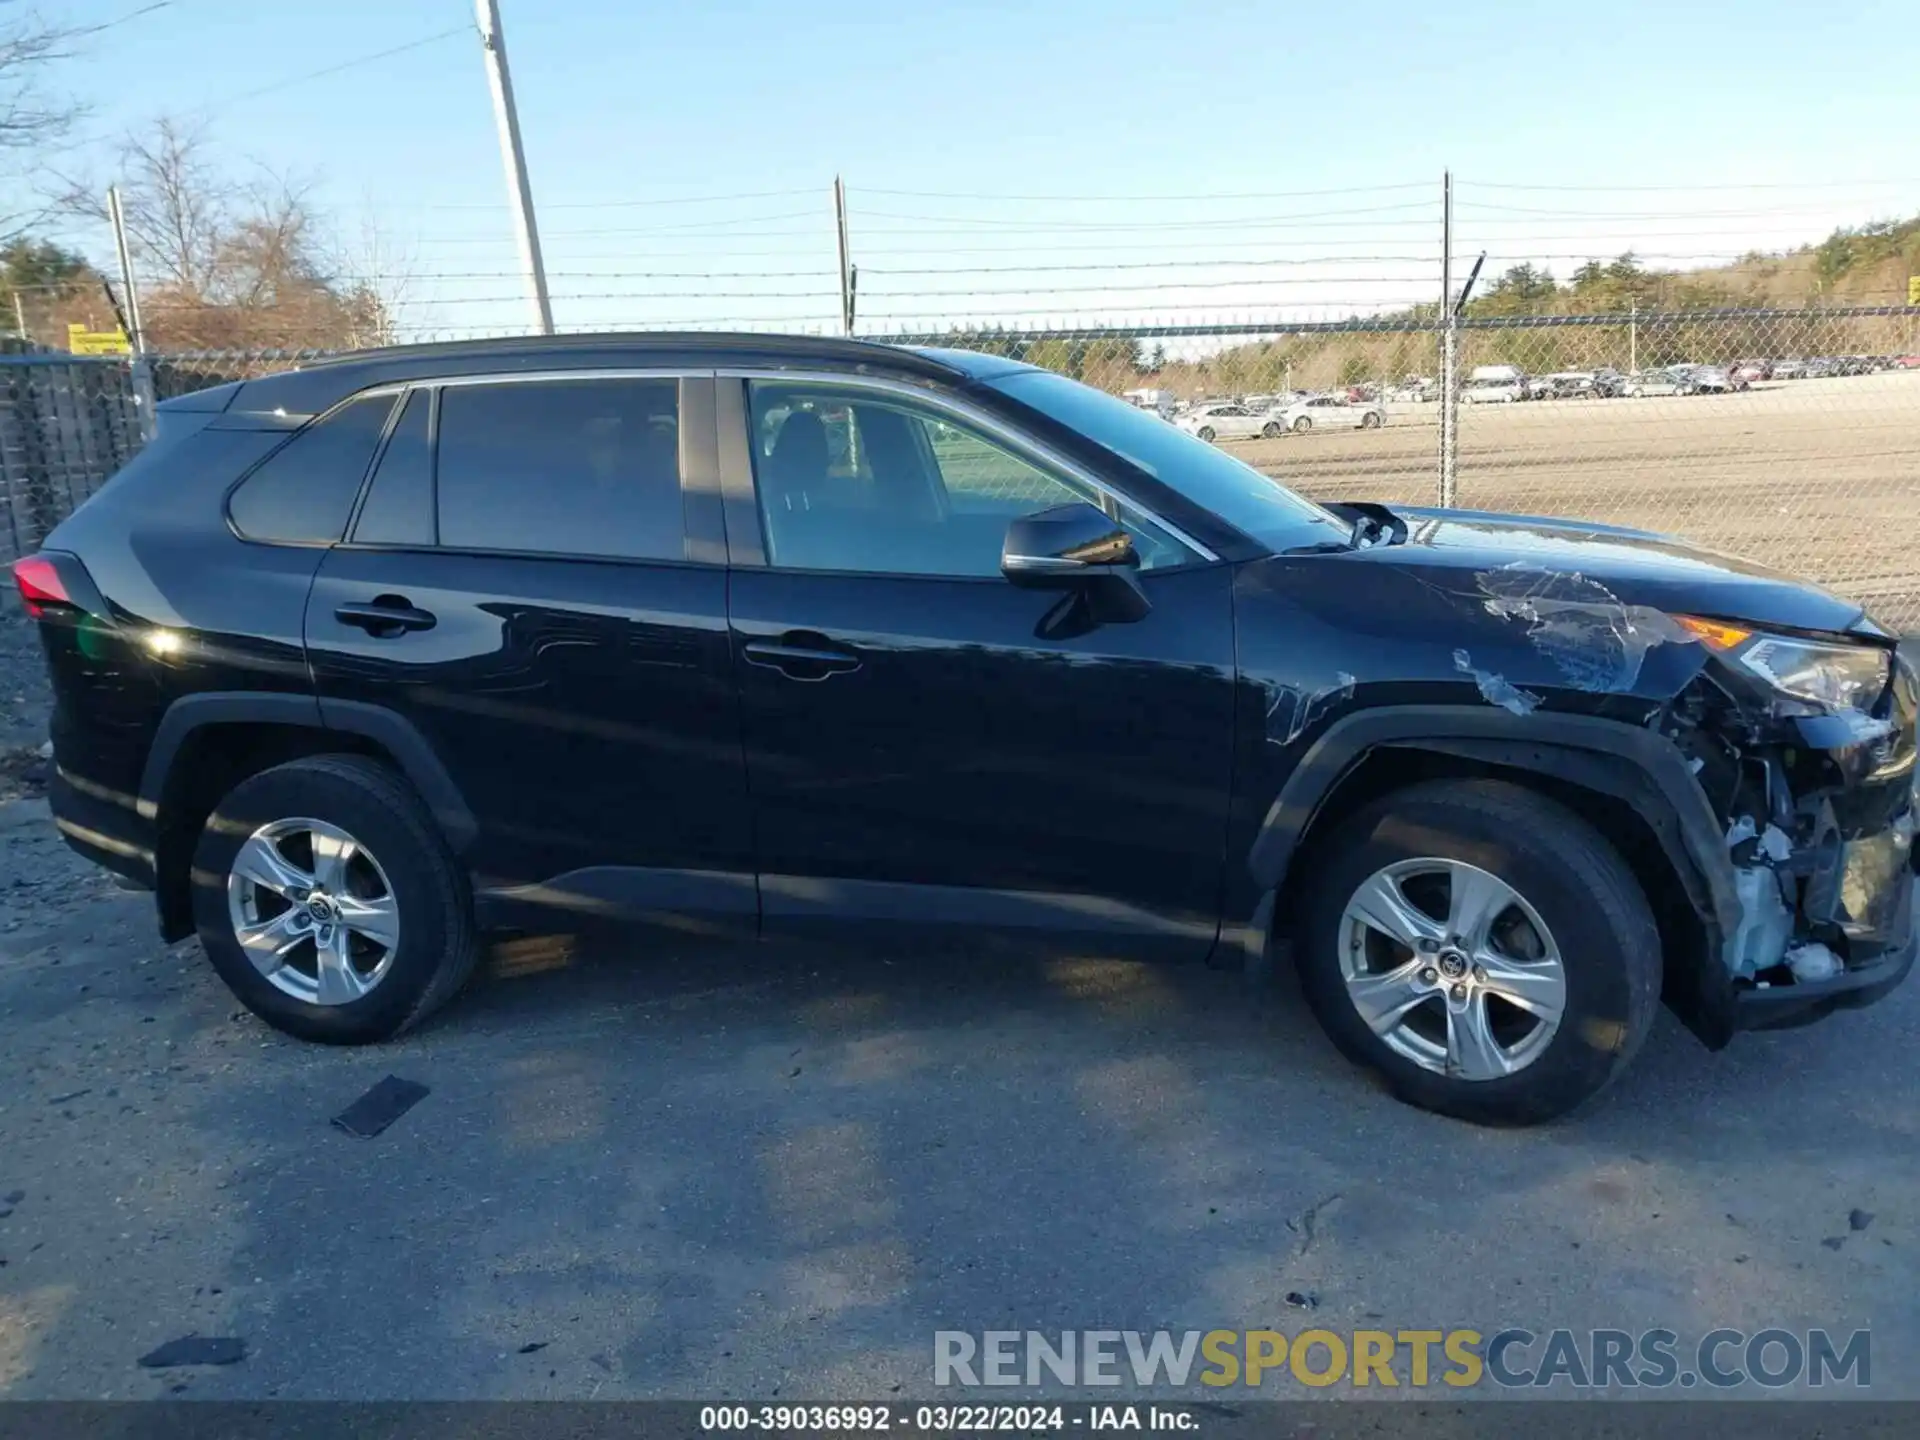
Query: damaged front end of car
1804, 746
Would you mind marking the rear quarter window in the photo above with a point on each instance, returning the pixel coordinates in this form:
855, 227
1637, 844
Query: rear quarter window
303, 492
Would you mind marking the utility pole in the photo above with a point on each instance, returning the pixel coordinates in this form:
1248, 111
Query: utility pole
1633, 337
494, 42
849, 277
19, 317
1449, 349
140, 370
136, 335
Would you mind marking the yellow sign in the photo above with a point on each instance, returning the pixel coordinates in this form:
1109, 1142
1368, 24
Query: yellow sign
1913, 289
82, 341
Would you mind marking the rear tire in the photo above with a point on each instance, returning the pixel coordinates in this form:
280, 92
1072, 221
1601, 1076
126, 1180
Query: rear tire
1594, 930
356, 988
1370, 420
1302, 424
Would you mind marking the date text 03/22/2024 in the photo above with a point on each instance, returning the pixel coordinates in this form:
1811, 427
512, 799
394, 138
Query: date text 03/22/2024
946, 1419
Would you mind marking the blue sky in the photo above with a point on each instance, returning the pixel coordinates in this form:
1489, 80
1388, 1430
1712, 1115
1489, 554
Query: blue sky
981, 140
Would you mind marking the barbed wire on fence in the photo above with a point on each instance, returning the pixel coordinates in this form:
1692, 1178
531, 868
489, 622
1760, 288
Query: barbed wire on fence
1789, 434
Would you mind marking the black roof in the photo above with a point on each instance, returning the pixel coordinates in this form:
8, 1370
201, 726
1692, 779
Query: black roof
321, 383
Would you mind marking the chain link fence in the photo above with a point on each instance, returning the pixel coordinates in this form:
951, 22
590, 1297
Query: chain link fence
1791, 437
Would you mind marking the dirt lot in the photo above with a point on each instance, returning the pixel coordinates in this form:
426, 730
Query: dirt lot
1817, 477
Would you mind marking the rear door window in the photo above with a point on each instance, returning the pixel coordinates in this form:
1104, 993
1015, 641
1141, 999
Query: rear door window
303, 492
399, 506
585, 467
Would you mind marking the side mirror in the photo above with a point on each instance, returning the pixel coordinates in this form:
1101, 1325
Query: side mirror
1081, 549
1060, 548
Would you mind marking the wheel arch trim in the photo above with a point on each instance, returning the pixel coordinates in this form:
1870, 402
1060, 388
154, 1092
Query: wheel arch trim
1624, 761
388, 729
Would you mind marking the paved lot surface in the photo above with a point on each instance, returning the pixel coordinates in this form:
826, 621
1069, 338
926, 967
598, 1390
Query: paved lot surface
762, 1172
1818, 477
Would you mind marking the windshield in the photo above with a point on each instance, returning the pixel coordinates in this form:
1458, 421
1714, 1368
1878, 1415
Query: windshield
1239, 494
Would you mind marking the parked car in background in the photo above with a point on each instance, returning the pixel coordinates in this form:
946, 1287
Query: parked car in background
1330, 412
1790, 369
1748, 371
1820, 368
1609, 383
1707, 380
358, 664
1228, 420
1571, 385
1160, 402
1906, 362
1536, 387
1652, 382
1493, 392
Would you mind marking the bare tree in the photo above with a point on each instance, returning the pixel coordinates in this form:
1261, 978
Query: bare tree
230, 262
31, 116
381, 275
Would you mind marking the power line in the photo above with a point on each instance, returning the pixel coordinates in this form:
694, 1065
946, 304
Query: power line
291, 81
1244, 284
626, 204
1133, 199
1758, 185
1650, 214
1222, 222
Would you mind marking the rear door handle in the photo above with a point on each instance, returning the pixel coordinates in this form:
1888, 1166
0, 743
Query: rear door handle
801, 655
385, 615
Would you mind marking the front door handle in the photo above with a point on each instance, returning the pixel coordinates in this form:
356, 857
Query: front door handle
385, 615
802, 655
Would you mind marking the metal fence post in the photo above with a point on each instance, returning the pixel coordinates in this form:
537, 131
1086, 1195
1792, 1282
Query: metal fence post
1449, 351
142, 369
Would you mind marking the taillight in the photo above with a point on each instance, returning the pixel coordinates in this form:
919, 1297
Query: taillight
40, 584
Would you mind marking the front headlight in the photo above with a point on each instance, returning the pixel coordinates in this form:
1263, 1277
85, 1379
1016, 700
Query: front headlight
1834, 677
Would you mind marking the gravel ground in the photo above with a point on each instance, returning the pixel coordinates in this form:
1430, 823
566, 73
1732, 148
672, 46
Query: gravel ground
24, 700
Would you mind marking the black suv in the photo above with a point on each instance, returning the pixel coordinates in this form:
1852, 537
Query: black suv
758, 636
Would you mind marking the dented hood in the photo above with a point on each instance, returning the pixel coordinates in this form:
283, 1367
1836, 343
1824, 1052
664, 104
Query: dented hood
1636, 565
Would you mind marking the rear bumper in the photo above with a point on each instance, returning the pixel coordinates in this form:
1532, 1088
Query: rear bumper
105, 828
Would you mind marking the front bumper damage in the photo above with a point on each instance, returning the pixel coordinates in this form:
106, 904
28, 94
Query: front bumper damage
1821, 818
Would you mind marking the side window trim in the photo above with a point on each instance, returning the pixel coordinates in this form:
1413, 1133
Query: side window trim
402, 396
683, 378
433, 461
391, 390
739, 446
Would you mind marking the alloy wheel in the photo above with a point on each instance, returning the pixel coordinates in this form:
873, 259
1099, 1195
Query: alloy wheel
1452, 969
313, 911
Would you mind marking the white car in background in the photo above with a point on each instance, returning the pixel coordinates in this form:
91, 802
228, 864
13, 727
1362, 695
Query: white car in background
1228, 420
1329, 412
1494, 392
1671, 381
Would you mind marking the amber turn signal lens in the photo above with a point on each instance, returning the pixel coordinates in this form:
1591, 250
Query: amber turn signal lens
1714, 634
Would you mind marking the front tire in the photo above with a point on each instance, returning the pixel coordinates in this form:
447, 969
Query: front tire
326, 898
1482, 948
1272, 430
1370, 420
1205, 432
